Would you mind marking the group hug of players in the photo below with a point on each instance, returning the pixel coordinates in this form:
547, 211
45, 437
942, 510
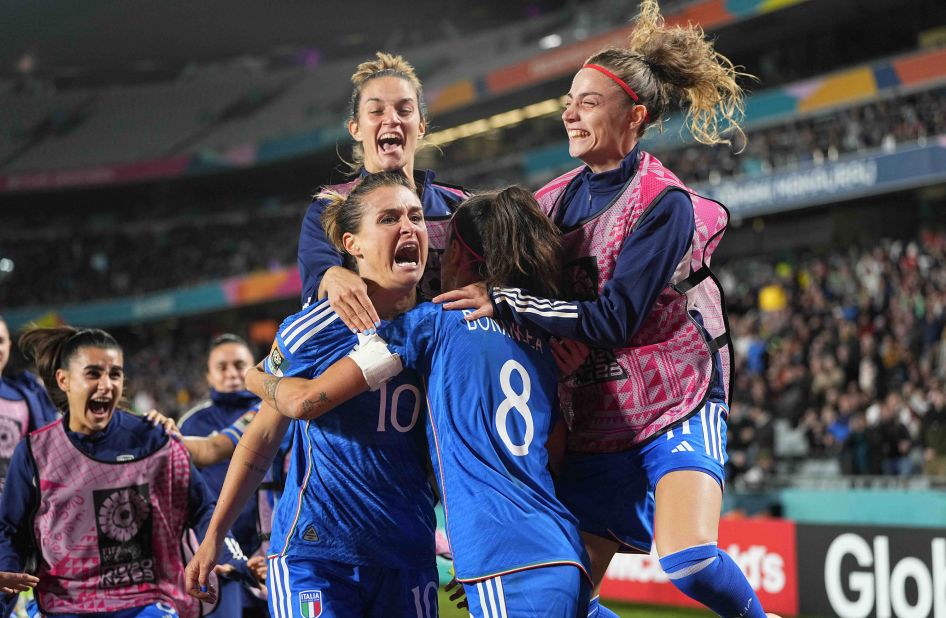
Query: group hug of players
567, 390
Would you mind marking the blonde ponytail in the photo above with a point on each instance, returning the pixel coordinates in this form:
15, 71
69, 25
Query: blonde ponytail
671, 66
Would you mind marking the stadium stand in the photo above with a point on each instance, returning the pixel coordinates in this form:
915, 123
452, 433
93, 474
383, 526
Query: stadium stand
162, 200
93, 254
844, 373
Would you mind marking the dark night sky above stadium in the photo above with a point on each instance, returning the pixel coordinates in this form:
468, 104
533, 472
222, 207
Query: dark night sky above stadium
62, 36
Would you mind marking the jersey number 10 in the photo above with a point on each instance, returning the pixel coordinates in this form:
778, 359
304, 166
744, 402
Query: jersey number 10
395, 397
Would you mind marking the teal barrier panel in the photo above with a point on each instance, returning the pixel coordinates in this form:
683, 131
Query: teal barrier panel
887, 507
906, 507
555, 157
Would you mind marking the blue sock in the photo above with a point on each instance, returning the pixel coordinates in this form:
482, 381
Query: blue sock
596, 610
709, 575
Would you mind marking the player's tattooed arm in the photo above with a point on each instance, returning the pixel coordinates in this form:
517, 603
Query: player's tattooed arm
311, 406
255, 467
308, 399
263, 385
270, 384
255, 462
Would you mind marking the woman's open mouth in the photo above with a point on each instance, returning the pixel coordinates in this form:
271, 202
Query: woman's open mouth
389, 143
407, 255
100, 407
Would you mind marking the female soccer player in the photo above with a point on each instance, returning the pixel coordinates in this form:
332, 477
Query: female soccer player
101, 497
24, 404
648, 440
227, 360
387, 121
353, 533
491, 391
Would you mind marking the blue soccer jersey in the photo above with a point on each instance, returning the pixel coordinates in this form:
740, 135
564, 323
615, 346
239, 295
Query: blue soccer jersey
356, 489
491, 397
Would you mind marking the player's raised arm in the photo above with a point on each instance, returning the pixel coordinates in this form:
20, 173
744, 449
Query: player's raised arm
208, 450
249, 464
368, 366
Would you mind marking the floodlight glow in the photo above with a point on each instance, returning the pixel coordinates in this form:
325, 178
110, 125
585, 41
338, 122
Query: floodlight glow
550, 42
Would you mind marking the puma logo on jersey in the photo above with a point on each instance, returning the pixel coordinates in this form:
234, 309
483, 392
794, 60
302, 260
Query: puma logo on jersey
683, 447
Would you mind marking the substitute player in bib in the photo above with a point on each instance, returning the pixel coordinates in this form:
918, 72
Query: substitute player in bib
387, 121
647, 446
98, 502
24, 404
491, 391
353, 534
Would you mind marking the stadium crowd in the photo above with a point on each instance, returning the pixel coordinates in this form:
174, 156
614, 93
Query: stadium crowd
882, 124
852, 356
848, 349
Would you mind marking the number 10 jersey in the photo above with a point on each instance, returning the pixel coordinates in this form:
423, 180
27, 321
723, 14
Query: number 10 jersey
356, 489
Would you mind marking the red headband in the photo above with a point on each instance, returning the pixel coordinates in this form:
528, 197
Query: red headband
620, 82
479, 258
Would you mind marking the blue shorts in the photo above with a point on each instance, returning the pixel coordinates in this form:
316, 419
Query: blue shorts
155, 610
328, 589
544, 592
612, 494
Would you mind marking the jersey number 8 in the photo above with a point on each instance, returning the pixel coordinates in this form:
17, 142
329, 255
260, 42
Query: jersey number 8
517, 401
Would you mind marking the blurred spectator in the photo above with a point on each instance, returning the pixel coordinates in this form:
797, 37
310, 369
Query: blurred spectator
818, 139
896, 442
860, 453
933, 432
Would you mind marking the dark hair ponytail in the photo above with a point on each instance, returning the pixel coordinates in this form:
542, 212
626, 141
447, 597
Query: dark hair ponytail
52, 348
517, 244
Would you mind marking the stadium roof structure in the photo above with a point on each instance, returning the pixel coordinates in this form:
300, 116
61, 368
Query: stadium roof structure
59, 37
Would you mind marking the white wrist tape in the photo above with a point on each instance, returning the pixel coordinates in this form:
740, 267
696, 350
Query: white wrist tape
375, 360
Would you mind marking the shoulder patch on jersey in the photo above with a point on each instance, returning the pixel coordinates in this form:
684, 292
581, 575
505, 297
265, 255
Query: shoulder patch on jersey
310, 534
275, 358
246, 419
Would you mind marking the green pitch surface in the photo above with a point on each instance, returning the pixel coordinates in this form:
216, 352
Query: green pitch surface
447, 610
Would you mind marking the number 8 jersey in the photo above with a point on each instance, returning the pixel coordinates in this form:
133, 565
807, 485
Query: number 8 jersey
491, 393
356, 489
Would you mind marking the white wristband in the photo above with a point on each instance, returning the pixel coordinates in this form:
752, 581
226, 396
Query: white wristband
375, 360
